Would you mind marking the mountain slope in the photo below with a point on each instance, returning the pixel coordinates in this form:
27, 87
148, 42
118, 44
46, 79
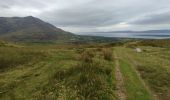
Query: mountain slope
30, 29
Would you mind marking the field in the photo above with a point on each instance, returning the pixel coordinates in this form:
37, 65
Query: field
98, 71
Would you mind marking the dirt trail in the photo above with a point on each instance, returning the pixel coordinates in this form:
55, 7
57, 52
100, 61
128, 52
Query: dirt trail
120, 90
134, 63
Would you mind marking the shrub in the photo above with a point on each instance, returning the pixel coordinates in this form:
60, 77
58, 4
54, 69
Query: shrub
87, 81
108, 54
80, 50
87, 56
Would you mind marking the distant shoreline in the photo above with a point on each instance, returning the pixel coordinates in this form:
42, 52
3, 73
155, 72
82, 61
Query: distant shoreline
156, 35
132, 35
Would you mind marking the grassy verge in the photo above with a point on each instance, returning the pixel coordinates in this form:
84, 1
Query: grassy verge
153, 65
135, 90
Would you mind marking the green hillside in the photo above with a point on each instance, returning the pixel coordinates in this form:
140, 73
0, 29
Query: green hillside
84, 72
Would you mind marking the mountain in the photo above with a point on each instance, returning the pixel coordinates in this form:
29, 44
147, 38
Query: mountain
31, 29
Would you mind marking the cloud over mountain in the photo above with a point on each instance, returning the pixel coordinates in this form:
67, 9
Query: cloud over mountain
93, 15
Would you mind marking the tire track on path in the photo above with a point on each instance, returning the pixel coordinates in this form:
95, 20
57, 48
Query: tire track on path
120, 90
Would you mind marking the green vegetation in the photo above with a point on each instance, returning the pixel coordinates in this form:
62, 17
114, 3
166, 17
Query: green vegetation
83, 71
88, 80
11, 56
27, 81
108, 54
36, 72
153, 65
134, 87
153, 43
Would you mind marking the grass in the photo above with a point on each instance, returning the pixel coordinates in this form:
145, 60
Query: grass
108, 54
154, 69
151, 43
25, 81
87, 80
153, 66
12, 56
36, 72
82, 72
135, 90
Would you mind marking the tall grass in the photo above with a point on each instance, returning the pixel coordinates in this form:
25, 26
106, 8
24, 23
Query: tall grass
108, 54
11, 57
88, 80
87, 56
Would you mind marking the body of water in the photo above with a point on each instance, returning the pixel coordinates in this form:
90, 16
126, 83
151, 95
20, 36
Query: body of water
132, 35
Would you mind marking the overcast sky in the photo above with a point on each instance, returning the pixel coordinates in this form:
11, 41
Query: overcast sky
93, 15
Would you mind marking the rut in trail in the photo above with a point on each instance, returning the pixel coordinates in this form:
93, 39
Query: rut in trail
134, 63
120, 90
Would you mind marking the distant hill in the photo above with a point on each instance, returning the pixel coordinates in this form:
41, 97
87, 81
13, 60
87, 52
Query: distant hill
147, 31
31, 29
154, 31
154, 43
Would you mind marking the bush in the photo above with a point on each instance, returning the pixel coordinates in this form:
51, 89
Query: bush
86, 81
108, 54
87, 56
80, 50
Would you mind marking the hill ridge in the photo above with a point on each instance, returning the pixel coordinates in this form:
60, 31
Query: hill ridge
30, 28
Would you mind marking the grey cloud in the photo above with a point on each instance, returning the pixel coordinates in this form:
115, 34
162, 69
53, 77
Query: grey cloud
153, 19
23, 3
81, 17
91, 14
3, 6
101, 13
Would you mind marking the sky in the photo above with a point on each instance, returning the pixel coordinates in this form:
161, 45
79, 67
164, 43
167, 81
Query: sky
93, 15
